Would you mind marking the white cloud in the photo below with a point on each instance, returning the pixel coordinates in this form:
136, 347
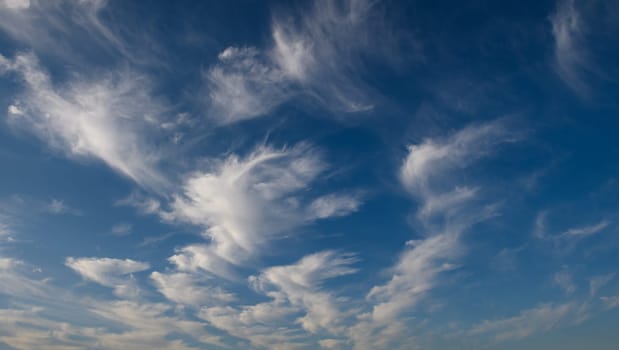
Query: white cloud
245, 203
299, 304
43, 316
114, 273
109, 325
446, 211
570, 52
72, 30
564, 280
7, 263
15, 110
140, 201
155, 240
299, 285
294, 56
106, 119
610, 302
15, 4
189, 289
433, 158
598, 282
5, 229
334, 205
446, 203
564, 242
581, 232
322, 50
540, 319
195, 257
242, 86
24, 328
332, 344
18, 282
316, 55
236, 323
59, 207
539, 228
414, 275
121, 229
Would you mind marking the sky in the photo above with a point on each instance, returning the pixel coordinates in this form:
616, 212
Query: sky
328, 174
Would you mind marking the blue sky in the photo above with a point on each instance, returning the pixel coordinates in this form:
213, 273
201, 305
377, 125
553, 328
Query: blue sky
345, 174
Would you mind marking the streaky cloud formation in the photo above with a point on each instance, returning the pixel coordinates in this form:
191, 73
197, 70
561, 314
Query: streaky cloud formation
334, 174
104, 119
570, 53
598, 282
317, 55
244, 86
579, 232
243, 203
114, 273
296, 293
453, 210
189, 289
432, 158
299, 285
69, 29
580, 61
542, 318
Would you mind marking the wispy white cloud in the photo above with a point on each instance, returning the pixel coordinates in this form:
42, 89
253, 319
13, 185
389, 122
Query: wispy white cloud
150, 325
25, 328
564, 242
18, 208
143, 203
569, 237
598, 282
239, 324
35, 22
110, 325
539, 227
7, 263
334, 205
114, 273
322, 49
299, 285
610, 302
105, 118
540, 319
570, 49
245, 203
316, 55
59, 207
564, 280
5, 227
14, 4
445, 212
445, 203
155, 240
332, 344
243, 86
121, 229
431, 158
41, 315
18, 278
72, 30
299, 304
581, 232
190, 289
